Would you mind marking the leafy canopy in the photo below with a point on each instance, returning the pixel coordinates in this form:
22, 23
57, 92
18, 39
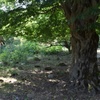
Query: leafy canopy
35, 19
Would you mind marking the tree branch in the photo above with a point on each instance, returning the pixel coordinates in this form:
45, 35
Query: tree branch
35, 10
48, 10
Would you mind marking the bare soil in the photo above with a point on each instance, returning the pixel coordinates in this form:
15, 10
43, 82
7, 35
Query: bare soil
42, 78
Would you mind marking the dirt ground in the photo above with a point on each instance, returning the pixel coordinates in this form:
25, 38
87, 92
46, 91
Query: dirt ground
42, 78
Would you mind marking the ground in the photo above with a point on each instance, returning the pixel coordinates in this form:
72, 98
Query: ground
46, 77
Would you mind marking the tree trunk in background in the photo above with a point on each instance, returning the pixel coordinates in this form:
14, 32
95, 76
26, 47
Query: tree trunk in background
84, 40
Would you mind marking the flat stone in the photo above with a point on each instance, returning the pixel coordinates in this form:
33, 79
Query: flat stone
31, 95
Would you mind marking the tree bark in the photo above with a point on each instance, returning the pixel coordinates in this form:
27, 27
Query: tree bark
85, 71
81, 18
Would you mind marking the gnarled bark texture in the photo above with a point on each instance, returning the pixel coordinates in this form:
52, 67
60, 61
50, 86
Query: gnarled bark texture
85, 70
84, 40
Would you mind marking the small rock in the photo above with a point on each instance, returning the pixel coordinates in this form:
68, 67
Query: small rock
15, 97
1, 80
31, 95
48, 68
50, 76
37, 66
61, 64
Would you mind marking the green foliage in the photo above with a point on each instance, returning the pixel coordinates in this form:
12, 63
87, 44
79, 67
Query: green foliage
15, 53
53, 50
35, 22
41, 20
18, 51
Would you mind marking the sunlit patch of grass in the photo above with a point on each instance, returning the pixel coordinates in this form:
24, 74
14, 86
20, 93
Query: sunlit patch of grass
54, 49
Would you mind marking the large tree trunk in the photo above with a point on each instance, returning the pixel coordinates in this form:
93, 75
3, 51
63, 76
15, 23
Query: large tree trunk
85, 71
81, 18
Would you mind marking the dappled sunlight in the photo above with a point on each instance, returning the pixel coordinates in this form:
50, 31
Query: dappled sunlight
98, 53
53, 80
8, 80
44, 48
37, 71
64, 49
98, 50
48, 72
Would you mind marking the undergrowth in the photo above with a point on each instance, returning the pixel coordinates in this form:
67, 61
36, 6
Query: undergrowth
18, 50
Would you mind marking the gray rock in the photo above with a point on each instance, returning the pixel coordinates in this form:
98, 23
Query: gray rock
31, 95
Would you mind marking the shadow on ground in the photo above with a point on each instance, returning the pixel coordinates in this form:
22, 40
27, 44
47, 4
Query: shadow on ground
44, 79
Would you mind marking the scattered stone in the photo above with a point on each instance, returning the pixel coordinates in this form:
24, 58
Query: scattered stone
62, 64
18, 83
47, 68
1, 80
31, 95
50, 75
37, 66
15, 97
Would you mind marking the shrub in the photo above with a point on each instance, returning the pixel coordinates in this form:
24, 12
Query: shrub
53, 50
16, 53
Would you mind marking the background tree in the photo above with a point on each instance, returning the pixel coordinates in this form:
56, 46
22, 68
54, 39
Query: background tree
81, 18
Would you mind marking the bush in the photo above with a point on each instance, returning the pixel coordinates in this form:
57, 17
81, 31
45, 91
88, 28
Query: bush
16, 53
20, 50
53, 50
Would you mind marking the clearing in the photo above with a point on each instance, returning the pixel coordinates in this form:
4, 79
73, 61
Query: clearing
46, 77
